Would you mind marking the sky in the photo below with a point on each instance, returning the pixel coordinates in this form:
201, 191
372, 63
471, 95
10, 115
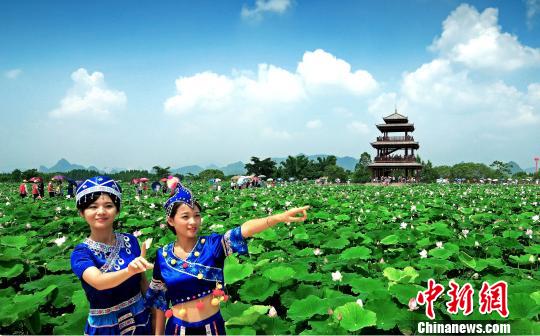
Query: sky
174, 83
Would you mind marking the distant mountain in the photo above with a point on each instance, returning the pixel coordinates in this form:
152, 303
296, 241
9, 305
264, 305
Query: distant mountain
514, 167
188, 170
62, 166
236, 168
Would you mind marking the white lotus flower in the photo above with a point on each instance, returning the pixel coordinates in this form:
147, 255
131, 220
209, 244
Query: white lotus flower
162, 226
336, 276
272, 312
7, 203
152, 206
216, 198
58, 209
68, 208
465, 232
137, 197
145, 196
413, 207
148, 242
360, 303
287, 203
28, 225
532, 259
439, 244
68, 196
423, 254
535, 218
60, 241
317, 251
475, 276
476, 243
137, 233
413, 305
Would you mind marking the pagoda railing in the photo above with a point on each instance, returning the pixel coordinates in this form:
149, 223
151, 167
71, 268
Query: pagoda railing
395, 158
395, 138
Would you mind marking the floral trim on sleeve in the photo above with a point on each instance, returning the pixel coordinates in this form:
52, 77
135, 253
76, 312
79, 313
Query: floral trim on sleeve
233, 241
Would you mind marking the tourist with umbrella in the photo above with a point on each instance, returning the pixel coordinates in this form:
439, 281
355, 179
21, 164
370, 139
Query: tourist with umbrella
188, 285
22, 189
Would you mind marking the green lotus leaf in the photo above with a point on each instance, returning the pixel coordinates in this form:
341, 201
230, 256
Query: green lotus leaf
248, 316
67, 285
441, 253
404, 292
467, 260
234, 271
536, 297
326, 327
336, 244
390, 240
257, 289
14, 241
57, 265
73, 324
305, 308
11, 269
300, 292
365, 285
240, 330
353, 318
388, 314
408, 274
357, 252
279, 273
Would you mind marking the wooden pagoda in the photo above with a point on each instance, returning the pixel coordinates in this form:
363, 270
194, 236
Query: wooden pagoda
395, 154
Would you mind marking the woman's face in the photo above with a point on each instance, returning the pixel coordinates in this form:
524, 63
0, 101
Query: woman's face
186, 221
101, 213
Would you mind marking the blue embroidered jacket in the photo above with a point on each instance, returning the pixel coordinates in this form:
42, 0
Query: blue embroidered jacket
177, 280
107, 258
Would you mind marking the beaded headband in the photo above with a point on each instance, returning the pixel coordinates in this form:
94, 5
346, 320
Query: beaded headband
181, 195
98, 184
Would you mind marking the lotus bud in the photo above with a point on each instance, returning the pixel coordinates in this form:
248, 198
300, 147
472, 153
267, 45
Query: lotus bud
412, 304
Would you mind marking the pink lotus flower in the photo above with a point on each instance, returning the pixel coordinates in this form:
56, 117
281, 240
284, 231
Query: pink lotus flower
412, 304
137, 233
272, 312
317, 251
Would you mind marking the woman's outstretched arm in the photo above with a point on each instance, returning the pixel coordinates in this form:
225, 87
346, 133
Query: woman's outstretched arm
254, 226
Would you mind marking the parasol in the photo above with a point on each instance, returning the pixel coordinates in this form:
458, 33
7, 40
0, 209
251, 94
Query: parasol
143, 179
36, 179
172, 181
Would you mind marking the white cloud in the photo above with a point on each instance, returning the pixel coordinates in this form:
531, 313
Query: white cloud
273, 84
89, 98
13, 73
312, 124
358, 127
207, 90
269, 87
320, 68
475, 40
533, 8
265, 6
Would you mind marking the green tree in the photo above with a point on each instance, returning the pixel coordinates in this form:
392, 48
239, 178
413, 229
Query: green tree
502, 170
428, 174
257, 166
333, 172
29, 173
208, 174
296, 166
361, 170
161, 172
16, 175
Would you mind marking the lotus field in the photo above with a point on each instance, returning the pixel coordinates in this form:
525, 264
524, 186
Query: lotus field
352, 267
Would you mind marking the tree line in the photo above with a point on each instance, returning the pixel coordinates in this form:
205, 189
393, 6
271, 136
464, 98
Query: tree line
298, 167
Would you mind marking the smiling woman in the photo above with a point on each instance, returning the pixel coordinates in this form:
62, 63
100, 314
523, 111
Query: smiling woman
188, 285
109, 264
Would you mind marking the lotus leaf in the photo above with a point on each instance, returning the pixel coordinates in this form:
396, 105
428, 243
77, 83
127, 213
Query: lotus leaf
353, 318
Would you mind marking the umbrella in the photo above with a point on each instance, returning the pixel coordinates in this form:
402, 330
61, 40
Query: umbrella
36, 179
217, 180
163, 179
270, 180
279, 179
262, 176
235, 178
59, 177
135, 181
143, 179
172, 181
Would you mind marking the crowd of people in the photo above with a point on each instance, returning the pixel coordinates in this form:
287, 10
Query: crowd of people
55, 188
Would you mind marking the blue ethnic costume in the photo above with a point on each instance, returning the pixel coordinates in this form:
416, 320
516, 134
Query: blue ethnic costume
176, 280
119, 310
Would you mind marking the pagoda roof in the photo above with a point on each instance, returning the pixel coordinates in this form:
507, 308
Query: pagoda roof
395, 164
396, 117
395, 144
404, 126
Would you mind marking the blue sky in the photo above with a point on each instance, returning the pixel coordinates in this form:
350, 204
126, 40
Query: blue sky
174, 83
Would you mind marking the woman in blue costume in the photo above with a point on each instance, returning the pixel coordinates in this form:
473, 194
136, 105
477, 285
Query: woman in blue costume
110, 264
187, 284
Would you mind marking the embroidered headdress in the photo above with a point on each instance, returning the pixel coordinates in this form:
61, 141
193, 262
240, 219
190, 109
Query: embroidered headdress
98, 184
181, 195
